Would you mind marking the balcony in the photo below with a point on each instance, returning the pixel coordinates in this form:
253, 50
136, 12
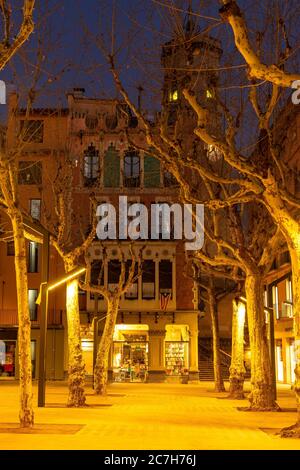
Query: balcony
10, 317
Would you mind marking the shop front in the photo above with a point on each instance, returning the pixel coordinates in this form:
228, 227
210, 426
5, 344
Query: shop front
291, 360
130, 353
87, 347
7, 358
285, 355
8, 353
141, 354
177, 351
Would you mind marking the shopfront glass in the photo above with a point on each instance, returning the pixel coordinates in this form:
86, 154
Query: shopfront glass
7, 358
87, 346
292, 359
130, 353
177, 350
279, 361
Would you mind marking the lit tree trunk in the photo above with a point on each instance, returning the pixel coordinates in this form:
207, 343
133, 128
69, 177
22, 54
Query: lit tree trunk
294, 431
26, 414
219, 384
76, 366
290, 228
237, 368
261, 396
101, 366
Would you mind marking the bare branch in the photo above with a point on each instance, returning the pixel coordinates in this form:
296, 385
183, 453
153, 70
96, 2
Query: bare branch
8, 50
231, 13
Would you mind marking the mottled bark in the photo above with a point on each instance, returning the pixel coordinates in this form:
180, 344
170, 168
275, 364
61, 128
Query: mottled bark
213, 309
294, 431
26, 414
76, 366
261, 396
290, 228
231, 12
237, 367
101, 366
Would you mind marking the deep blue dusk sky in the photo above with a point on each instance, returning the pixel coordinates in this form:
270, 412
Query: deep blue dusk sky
70, 36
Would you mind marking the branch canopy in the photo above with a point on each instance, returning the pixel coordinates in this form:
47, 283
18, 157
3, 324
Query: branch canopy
231, 13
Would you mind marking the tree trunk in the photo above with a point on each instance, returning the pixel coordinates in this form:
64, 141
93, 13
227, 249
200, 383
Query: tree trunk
261, 396
26, 414
219, 384
294, 431
237, 368
76, 366
290, 228
101, 366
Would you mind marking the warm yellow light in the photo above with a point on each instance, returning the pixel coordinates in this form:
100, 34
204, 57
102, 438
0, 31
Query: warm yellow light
87, 345
126, 327
67, 278
173, 95
241, 312
209, 94
243, 299
71, 289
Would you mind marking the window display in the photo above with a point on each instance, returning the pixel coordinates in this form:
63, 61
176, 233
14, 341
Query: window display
176, 358
130, 362
130, 353
176, 350
7, 358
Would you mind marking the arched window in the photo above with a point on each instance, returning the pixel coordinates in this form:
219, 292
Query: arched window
131, 169
91, 165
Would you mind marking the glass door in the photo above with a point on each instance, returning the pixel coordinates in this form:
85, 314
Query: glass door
7, 358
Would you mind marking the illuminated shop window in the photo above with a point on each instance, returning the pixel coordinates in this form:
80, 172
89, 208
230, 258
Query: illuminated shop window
177, 350
7, 358
279, 361
130, 353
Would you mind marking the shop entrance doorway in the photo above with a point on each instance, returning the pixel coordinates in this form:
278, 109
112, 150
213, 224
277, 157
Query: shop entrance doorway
7, 358
130, 353
177, 350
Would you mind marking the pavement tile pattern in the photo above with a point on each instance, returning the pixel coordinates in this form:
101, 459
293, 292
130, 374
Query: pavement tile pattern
148, 417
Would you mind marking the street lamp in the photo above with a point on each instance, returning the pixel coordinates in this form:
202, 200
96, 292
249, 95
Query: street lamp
42, 300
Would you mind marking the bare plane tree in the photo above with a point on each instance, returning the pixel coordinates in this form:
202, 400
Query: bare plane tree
112, 297
71, 246
11, 43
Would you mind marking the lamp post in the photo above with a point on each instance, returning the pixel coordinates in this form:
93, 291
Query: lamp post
96, 299
43, 301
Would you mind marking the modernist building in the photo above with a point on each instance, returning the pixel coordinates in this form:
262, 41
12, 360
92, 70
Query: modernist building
158, 320
156, 337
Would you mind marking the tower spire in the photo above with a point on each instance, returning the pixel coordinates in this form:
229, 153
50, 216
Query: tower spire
189, 23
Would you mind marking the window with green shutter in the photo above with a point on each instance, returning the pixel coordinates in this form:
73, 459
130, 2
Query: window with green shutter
151, 172
111, 168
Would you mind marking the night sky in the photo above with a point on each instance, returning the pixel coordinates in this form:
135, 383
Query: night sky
68, 35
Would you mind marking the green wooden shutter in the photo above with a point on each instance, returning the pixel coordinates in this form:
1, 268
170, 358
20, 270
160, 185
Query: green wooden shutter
111, 168
151, 172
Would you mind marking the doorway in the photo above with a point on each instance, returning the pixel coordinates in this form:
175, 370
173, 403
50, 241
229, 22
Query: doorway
130, 353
